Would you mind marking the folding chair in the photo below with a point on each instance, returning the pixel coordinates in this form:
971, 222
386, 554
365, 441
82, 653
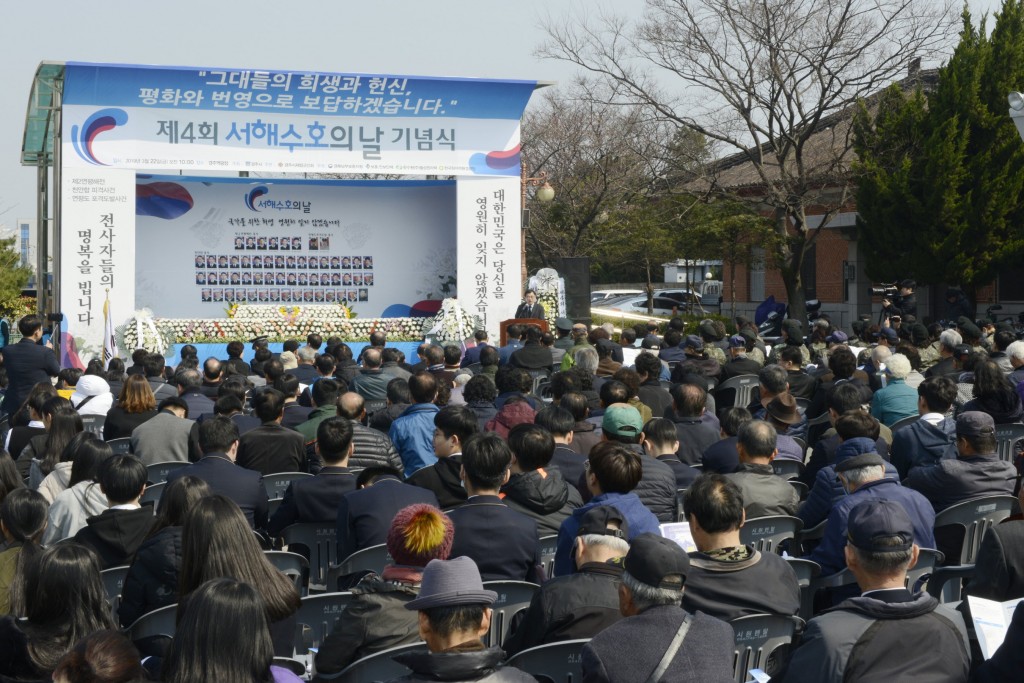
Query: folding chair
277, 484
768, 533
152, 495
316, 618
380, 666
548, 546
159, 622
371, 559
900, 424
927, 561
560, 662
513, 596
762, 642
806, 571
292, 565
742, 388
1007, 436
974, 518
374, 406
158, 471
113, 582
801, 488
788, 469
94, 424
120, 446
320, 542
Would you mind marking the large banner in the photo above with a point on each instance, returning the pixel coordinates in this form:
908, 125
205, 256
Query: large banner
204, 244
159, 118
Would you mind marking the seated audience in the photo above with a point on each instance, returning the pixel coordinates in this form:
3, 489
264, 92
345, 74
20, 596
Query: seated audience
371, 448
653, 576
22, 520
844, 398
152, 579
412, 432
512, 554
661, 442
622, 424
59, 477
722, 456
103, 657
727, 579
376, 618
44, 452
452, 426
896, 400
135, 405
83, 498
931, 438
117, 532
886, 633
272, 448
532, 489
763, 492
165, 437
92, 395
217, 543
582, 604
994, 394
694, 436
559, 422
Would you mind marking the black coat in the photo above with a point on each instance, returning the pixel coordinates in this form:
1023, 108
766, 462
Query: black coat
271, 449
115, 535
657, 488
999, 566
443, 479
525, 310
543, 496
501, 541
224, 477
15, 663
152, 580
721, 456
764, 583
119, 423
685, 475
27, 363
694, 438
364, 515
313, 499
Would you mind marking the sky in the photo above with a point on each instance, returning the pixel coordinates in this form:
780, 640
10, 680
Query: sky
469, 38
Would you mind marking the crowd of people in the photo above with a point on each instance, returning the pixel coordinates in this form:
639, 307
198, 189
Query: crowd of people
462, 459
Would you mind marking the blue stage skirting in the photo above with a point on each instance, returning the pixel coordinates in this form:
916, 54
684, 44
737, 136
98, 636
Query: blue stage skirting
221, 350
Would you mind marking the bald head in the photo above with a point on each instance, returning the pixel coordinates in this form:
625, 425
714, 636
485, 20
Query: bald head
350, 406
371, 358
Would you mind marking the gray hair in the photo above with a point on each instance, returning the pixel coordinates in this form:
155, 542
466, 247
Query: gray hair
950, 339
619, 545
645, 597
898, 366
1016, 350
306, 354
774, 377
880, 354
862, 475
758, 438
885, 563
586, 359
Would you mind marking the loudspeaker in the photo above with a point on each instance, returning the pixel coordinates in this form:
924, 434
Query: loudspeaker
576, 272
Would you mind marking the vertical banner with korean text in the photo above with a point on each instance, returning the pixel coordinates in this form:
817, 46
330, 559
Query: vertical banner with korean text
97, 250
489, 224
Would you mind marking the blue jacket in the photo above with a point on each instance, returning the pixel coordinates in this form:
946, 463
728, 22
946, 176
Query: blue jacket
640, 520
894, 402
412, 432
827, 489
921, 444
829, 554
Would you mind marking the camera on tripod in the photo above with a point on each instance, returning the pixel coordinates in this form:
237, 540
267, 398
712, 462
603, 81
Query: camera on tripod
886, 290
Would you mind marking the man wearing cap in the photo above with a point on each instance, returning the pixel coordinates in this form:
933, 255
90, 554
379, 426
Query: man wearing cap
887, 633
739, 363
579, 341
709, 335
764, 492
582, 604
454, 614
863, 478
931, 438
977, 470
563, 328
657, 486
694, 349
613, 470
657, 640
727, 579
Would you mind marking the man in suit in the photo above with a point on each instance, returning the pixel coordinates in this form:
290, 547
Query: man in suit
271, 448
316, 499
533, 355
154, 367
27, 363
294, 414
218, 439
501, 541
472, 354
165, 437
364, 515
189, 384
530, 308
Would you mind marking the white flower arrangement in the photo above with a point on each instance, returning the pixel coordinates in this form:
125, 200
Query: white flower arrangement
550, 290
451, 324
278, 323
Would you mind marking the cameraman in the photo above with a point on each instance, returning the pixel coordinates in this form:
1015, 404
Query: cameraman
904, 303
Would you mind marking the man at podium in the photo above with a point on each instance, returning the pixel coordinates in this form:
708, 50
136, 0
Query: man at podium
530, 308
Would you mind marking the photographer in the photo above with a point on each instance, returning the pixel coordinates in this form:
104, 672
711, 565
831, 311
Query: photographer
902, 304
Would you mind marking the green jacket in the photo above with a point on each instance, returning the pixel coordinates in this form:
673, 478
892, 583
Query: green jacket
309, 427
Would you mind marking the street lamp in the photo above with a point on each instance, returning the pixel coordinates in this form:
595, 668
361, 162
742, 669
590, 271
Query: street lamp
544, 194
1016, 101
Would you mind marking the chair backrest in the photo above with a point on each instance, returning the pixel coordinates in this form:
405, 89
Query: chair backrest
976, 517
548, 545
292, 565
815, 533
316, 618
927, 561
94, 424
1007, 436
374, 406
787, 468
742, 388
159, 622
820, 420
757, 637
272, 505
801, 488
560, 662
513, 596
373, 559
120, 446
320, 542
152, 495
900, 424
158, 471
113, 582
767, 533
806, 572
379, 666
680, 498
277, 484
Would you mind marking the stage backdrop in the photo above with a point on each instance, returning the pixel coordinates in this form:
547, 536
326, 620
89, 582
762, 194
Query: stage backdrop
204, 244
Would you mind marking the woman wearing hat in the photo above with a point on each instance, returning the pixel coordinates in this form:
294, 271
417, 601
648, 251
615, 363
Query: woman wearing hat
376, 619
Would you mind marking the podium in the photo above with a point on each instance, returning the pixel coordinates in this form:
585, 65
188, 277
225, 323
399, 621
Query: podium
504, 325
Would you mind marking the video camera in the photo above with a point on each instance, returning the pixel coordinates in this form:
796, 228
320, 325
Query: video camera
886, 290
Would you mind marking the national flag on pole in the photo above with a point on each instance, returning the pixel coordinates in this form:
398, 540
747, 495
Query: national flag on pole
109, 340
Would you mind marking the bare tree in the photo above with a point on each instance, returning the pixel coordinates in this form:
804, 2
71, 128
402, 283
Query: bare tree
771, 81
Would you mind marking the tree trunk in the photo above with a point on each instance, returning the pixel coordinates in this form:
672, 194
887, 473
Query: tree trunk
649, 289
732, 284
794, 250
